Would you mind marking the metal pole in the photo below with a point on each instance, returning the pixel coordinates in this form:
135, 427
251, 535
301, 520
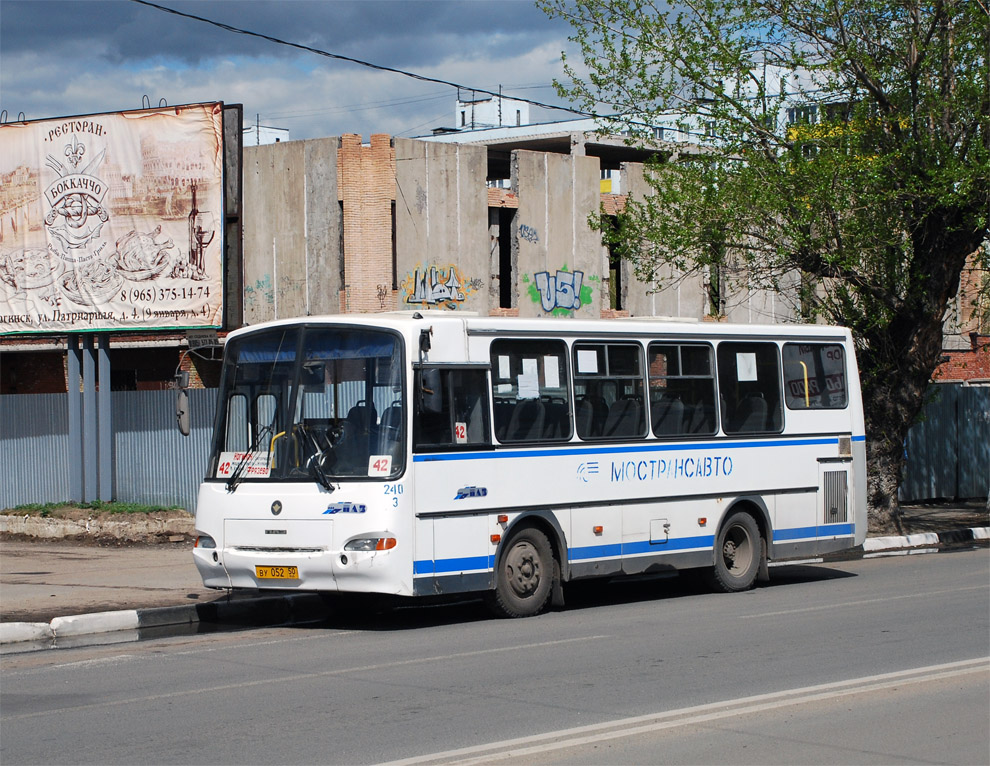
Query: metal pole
75, 420
89, 442
106, 420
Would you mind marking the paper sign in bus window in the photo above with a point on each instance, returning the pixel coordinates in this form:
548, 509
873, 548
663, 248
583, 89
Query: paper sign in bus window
587, 361
379, 465
746, 367
529, 380
504, 371
551, 372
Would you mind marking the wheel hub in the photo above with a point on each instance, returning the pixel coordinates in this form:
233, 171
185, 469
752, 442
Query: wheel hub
523, 569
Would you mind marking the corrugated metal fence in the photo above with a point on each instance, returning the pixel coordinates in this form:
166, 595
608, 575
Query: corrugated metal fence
948, 452
153, 462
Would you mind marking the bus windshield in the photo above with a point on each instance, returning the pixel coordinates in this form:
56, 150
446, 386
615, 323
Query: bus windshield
310, 404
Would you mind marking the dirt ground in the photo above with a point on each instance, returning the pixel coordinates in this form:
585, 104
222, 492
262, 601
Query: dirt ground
86, 526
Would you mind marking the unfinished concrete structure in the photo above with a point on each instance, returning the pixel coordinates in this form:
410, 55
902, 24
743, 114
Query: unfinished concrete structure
336, 225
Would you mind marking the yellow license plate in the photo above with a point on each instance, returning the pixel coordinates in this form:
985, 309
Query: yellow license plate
276, 573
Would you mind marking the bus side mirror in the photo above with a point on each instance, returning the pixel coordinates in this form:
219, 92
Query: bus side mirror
182, 403
182, 412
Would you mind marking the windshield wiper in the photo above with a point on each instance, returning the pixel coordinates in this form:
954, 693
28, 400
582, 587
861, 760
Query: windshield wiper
248, 457
320, 455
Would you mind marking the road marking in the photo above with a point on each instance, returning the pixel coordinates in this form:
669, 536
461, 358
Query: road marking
525, 747
863, 602
94, 662
293, 678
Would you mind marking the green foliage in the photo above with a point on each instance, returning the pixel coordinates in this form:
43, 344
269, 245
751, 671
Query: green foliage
892, 176
862, 205
47, 509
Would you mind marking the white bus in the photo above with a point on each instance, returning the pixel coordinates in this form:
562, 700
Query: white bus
422, 454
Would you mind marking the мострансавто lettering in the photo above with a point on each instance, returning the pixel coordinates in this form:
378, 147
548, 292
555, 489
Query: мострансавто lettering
676, 468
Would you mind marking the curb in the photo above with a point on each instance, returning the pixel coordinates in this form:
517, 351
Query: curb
873, 544
282, 609
262, 610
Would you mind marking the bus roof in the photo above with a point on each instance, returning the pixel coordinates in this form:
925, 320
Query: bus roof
407, 322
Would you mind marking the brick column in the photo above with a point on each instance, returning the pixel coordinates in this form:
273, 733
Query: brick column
367, 188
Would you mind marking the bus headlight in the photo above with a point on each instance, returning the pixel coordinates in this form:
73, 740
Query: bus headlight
371, 544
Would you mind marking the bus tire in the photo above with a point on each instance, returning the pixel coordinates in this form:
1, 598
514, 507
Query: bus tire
738, 552
524, 576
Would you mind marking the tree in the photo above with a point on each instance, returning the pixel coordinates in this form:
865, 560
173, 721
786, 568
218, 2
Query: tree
869, 195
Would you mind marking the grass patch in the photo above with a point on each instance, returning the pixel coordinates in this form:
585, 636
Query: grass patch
100, 506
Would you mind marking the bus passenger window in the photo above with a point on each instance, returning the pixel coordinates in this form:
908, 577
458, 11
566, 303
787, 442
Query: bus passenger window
529, 386
451, 408
608, 390
682, 389
814, 376
749, 387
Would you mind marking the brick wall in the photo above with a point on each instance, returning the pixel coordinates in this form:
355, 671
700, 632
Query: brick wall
41, 372
366, 186
966, 364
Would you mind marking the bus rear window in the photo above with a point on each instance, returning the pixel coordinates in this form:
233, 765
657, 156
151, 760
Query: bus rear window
815, 376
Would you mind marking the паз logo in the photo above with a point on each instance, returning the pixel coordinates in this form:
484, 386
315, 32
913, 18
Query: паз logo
345, 508
471, 492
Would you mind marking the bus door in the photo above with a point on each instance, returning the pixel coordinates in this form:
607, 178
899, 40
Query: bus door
454, 485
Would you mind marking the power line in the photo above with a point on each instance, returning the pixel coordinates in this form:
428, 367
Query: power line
340, 57
359, 107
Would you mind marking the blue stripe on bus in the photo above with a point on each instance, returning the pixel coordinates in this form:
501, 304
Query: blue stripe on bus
613, 450
615, 550
643, 546
442, 566
826, 530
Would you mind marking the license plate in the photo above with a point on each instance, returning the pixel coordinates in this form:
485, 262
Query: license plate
276, 573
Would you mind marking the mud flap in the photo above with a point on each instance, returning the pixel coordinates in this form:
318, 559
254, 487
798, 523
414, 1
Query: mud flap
763, 575
557, 588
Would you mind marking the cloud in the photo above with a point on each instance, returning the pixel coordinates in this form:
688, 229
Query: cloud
61, 58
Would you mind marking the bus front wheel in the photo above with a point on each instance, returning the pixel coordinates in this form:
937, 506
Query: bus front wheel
524, 576
738, 549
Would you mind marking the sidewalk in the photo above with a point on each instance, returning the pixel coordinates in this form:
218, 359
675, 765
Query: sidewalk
43, 583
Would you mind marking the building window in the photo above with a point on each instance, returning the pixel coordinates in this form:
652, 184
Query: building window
614, 281
395, 255
802, 115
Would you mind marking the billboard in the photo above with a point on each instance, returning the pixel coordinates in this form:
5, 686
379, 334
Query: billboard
112, 221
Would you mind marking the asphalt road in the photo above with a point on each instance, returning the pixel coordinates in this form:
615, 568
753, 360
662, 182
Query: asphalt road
860, 661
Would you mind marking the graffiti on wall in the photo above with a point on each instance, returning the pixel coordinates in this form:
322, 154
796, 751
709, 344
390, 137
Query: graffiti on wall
435, 287
561, 293
529, 234
262, 291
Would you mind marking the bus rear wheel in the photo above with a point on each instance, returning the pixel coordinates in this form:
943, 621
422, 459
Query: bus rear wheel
738, 549
524, 576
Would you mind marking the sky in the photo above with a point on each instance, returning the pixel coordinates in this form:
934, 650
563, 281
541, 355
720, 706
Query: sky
72, 57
